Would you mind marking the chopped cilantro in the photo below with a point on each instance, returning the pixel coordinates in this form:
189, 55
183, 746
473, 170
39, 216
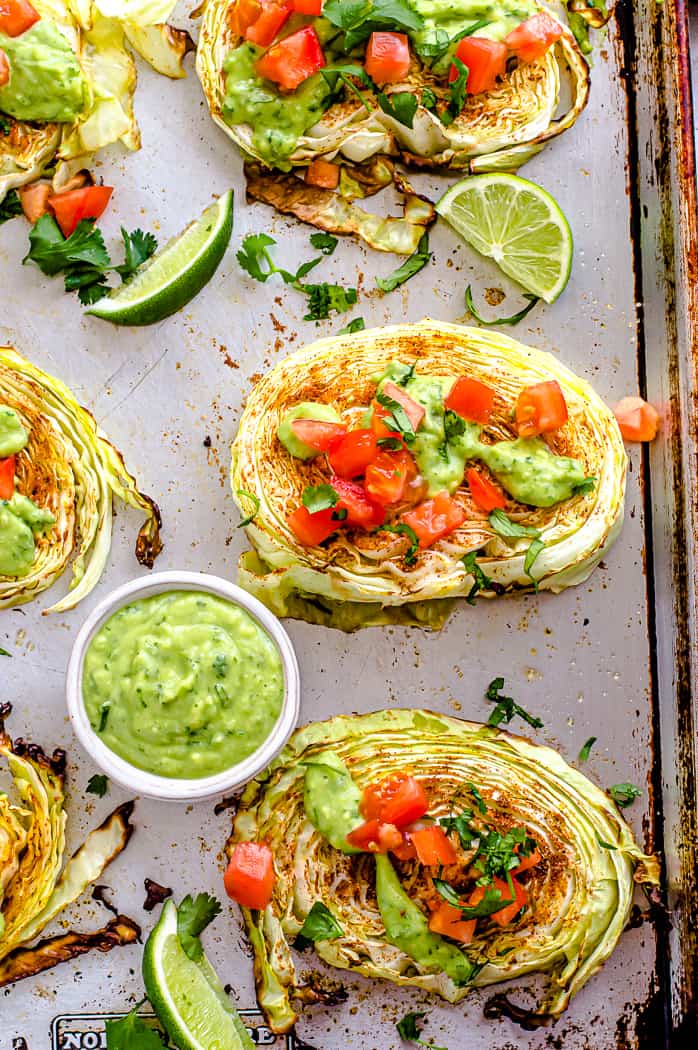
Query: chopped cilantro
506, 707
416, 262
319, 497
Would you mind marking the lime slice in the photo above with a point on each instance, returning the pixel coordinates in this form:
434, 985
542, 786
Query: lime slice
517, 224
186, 995
175, 274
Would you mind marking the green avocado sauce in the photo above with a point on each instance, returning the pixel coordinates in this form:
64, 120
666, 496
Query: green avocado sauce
449, 17
21, 521
46, 79
277, 121
182, 684
331, 800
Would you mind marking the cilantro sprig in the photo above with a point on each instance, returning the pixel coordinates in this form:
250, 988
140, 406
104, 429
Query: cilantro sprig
624, 794
98, 784
83, 258
319, 925
10, 207
255, 258
402, 528
132, 1033
506, 707
409, 1029
193, 916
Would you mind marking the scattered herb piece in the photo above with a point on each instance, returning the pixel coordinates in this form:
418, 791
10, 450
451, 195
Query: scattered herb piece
512, 320
98, 784
5, 129
416, 262
409, 1030
389, 444
461, 825
588, 485
586, 750
605, 845
320, 925
325, 297
459, 93
490, 903
138, 247
103, 716
254, 500
441, 43
10, 207
497, 854
479, 800
154, 894
481, 581
406, 530
337, 75
504, 526
359, 18
357, 325
131, 1033
402, 374
324, 242
506, 707
536, 548
4, 652
193, 916
398, 420
624, 794
401, 106
428, 99
319, 497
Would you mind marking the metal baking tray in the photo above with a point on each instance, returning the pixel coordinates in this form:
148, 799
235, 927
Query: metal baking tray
615, 658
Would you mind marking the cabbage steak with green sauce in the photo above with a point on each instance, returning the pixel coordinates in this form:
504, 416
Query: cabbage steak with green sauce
62, 476
498, 129
578, 894
564, 490
72, 79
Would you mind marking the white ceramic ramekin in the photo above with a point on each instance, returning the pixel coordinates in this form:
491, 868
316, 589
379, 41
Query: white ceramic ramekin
172, 789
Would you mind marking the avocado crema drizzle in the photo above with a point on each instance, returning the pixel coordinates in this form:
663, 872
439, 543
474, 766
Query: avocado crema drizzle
331, 799
21, 521
526, 468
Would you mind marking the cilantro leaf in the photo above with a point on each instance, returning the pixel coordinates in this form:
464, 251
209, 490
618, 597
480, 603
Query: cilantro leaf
504, 526
605, 845
10, 206
131, 1033
98, 785
479, 800
335, 76
536, 548
407, 530
193, 916
416, 262
490, 903
461, 825
138, 247
512, 320
507, 707
459, 93
4, 652
254, 500
52, 252
254, 256
319, 497
324, 242
398, 420
586, 749
319, 925
357, 325
359, 18
5, 127
322, 298
438, 46
401, 106
481, 581
624, 794
409, 1030
428, 99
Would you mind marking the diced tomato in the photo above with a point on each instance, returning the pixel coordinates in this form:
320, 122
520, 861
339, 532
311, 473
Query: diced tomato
270, 19
532, 38
388, 475
317, 434
7, 477
322, 173
486, 61
4, 69
353, 454
375, 837
387, 57
485, 494
34, 199
504, 916
397, 800
471, 399
16, 16
531, 861
293, 59
249, 878
540, 409
307, 7
413, 410
406, 851
71, 207
433, 846
448, 921
637, 420
378, 425
434, 519
242, 14
362, 512
311, 529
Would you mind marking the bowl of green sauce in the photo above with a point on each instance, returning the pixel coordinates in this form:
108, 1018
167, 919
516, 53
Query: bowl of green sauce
181, 686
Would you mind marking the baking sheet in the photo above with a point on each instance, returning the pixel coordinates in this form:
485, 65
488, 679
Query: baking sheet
583, 661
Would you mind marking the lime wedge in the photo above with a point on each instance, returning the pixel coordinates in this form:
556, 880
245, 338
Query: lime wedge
175, 274
187, 996
517, 224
